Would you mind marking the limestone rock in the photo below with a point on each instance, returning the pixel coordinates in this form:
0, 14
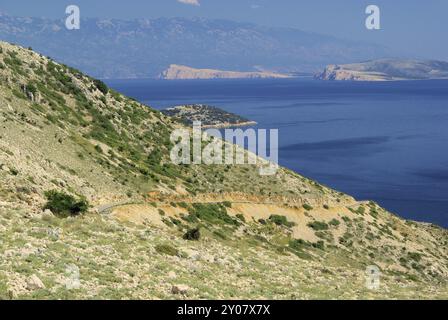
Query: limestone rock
34, 283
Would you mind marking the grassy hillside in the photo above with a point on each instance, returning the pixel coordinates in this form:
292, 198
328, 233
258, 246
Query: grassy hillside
157, 230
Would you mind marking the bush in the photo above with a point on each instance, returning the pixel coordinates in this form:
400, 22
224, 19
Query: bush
100, 85
240, 217
98, 149
192, 234
183, 205
297, 244
415, 256
318, 225
214, 213
334, 222
281, 221
31, 88
319, 245
64, 205
373, 213
307, 207
227, 204
175, 221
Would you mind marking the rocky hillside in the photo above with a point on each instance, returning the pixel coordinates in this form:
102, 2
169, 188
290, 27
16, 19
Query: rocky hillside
386, 70
176, 72
156, 230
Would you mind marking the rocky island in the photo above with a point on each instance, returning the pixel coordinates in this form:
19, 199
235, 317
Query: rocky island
386, 70
210, 117
178, 72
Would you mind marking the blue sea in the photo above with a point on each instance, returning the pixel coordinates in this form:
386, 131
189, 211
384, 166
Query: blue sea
381, 141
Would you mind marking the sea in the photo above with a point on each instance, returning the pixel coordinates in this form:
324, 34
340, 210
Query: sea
380, 141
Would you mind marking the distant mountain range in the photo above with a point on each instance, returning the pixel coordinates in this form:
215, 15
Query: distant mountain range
387, 69
144, 48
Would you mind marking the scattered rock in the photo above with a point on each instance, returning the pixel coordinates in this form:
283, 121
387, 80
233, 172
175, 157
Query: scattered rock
220, 261
180, 289
34, 283
47, 214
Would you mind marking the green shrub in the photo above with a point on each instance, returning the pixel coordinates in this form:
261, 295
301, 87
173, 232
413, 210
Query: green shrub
319, 245
334, 222
318, 225
64, 205
227, 204
415, 256
31, 88
241, 217
100, 85
183, 205
307, 207
281, 221
297, 244
192, 234
167, 222
374, 213
215, 213
175, 221
98, 148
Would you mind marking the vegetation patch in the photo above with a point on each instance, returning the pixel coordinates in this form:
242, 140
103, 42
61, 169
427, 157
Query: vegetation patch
318, 225
65, 205
307, 207
281, 221
240, 217
334, 222
192, 234
100, 85
213, 213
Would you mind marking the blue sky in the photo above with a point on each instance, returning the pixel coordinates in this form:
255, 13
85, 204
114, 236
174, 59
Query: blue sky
416, 27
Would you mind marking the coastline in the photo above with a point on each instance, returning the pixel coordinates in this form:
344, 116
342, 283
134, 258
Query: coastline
229, 125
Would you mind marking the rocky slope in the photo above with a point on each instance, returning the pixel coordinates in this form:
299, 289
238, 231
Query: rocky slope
386, 70
177, 72
279, 236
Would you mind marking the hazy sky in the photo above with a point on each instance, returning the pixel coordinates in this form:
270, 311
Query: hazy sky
416, 27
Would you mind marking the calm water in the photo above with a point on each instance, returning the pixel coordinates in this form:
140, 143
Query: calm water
381, 141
